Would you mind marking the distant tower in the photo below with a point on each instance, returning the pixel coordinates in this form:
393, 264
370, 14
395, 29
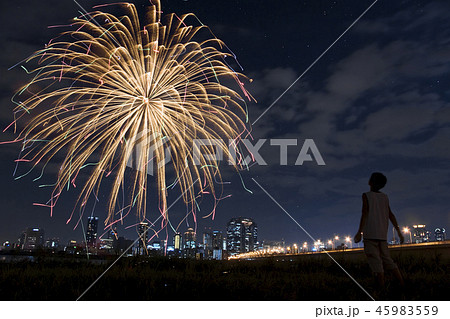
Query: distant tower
242, 235
439, 234
33, 239
189, 243
143, 237
91, 232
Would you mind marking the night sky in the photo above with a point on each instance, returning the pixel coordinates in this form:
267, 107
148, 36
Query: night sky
379, 100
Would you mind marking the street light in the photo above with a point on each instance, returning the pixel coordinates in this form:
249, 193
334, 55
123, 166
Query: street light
349, 240
336, 238
406, 231
330, 242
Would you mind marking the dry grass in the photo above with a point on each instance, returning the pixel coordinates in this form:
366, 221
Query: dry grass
303, 278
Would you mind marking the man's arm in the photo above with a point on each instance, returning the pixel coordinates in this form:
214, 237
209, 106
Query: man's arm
397, 228
364, 212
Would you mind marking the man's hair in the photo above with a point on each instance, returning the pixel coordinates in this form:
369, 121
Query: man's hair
378, 180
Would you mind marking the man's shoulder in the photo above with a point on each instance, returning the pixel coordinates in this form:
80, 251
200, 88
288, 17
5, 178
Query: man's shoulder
376, 193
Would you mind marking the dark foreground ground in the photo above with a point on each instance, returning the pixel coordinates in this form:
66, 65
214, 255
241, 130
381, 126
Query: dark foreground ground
304, 278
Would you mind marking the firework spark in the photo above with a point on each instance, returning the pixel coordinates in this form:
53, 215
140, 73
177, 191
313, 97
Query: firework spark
113, 80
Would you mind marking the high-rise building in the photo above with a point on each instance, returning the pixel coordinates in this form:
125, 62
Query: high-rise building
439, 234
212, 245
217, 244
242, 235
177, 244
91, 231
421, 234
107, 240
207, 243
33, 239
143, 238
189, 248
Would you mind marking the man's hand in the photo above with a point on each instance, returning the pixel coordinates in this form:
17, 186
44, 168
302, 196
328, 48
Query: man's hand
357, 238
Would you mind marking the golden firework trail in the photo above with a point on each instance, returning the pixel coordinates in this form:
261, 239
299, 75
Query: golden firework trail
114, 89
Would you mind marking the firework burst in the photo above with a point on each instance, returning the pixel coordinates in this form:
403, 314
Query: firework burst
114, 90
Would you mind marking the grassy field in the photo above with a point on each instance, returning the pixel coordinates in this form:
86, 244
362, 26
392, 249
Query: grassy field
303, 278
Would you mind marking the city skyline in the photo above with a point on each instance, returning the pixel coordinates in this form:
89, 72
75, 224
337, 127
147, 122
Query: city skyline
206, 238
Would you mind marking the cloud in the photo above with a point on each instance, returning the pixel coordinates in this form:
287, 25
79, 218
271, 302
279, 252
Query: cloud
381, 107
361, 71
